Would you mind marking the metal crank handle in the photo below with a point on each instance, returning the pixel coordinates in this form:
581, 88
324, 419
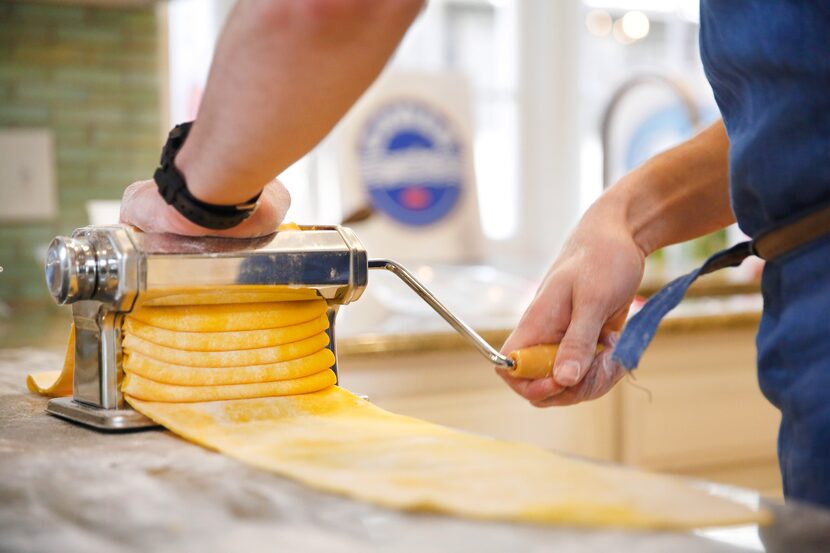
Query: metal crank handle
472, 336
529, 363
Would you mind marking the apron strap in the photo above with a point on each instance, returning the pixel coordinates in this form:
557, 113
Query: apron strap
784, 238
793, 233
640, 329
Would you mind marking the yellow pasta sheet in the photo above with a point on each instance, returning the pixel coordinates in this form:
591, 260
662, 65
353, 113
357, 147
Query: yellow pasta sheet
287, 417
334, 441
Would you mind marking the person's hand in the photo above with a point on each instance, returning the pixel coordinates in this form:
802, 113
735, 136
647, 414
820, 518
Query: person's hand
143, 207
583, 300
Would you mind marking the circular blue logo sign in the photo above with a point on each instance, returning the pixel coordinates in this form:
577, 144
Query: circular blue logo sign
410, 160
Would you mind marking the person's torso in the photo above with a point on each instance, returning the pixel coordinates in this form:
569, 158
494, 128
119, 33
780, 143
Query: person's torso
768, 63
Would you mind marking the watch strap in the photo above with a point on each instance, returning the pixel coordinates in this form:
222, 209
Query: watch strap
173, 188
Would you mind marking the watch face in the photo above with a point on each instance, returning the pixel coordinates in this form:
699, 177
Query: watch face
411, 162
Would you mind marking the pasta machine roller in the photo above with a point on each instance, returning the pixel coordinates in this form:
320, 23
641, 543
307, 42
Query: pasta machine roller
105, 271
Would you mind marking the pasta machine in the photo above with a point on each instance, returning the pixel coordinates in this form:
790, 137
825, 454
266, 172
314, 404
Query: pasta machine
105, 271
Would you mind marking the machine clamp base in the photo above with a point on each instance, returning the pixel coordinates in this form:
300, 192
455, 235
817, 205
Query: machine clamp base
112, 420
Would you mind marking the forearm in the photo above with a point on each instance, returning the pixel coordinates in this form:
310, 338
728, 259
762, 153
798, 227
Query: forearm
283, 74
678, 195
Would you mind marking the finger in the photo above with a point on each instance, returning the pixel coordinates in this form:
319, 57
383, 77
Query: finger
602, 375
582, 392
131, 191
281, 198
270, 212
609, 341
273, 204
578, 346
532, 390
568, 396
544, 321
138, 207
615, 323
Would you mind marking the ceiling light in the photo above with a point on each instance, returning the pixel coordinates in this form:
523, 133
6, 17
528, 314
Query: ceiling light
599, 22
635, 25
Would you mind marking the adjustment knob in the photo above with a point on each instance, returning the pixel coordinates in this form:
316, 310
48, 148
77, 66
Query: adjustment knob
70, 270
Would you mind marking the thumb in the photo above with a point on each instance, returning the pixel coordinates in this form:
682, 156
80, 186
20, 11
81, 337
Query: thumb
578, 346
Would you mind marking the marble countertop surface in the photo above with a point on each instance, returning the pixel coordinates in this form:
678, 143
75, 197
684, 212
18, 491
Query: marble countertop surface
67, 488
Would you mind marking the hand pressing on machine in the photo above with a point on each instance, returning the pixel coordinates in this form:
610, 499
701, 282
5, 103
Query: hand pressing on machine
584, 299
143, 207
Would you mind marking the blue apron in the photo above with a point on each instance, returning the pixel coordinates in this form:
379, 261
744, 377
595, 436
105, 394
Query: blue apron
769, 66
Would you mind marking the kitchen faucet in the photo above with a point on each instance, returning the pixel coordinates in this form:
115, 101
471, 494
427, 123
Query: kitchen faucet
677, 87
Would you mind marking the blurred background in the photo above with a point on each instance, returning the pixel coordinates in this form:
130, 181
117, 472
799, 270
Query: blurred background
494, 127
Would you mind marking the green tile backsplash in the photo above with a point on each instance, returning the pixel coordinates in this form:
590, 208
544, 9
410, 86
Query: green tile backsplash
91, 75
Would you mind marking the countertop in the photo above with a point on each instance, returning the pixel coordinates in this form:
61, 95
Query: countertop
63, 487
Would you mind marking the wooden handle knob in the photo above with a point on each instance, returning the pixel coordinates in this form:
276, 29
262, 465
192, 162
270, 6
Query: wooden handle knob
535, 361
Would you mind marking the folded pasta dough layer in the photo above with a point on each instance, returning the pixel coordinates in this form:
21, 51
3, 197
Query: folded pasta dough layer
332, 440
168, 373
231, 317
225, 341
141, 388
240, 358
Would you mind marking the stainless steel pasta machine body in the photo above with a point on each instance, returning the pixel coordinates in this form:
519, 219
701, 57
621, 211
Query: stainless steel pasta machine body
105, 271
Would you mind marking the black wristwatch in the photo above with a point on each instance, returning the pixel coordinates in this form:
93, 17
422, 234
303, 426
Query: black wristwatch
173, 189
